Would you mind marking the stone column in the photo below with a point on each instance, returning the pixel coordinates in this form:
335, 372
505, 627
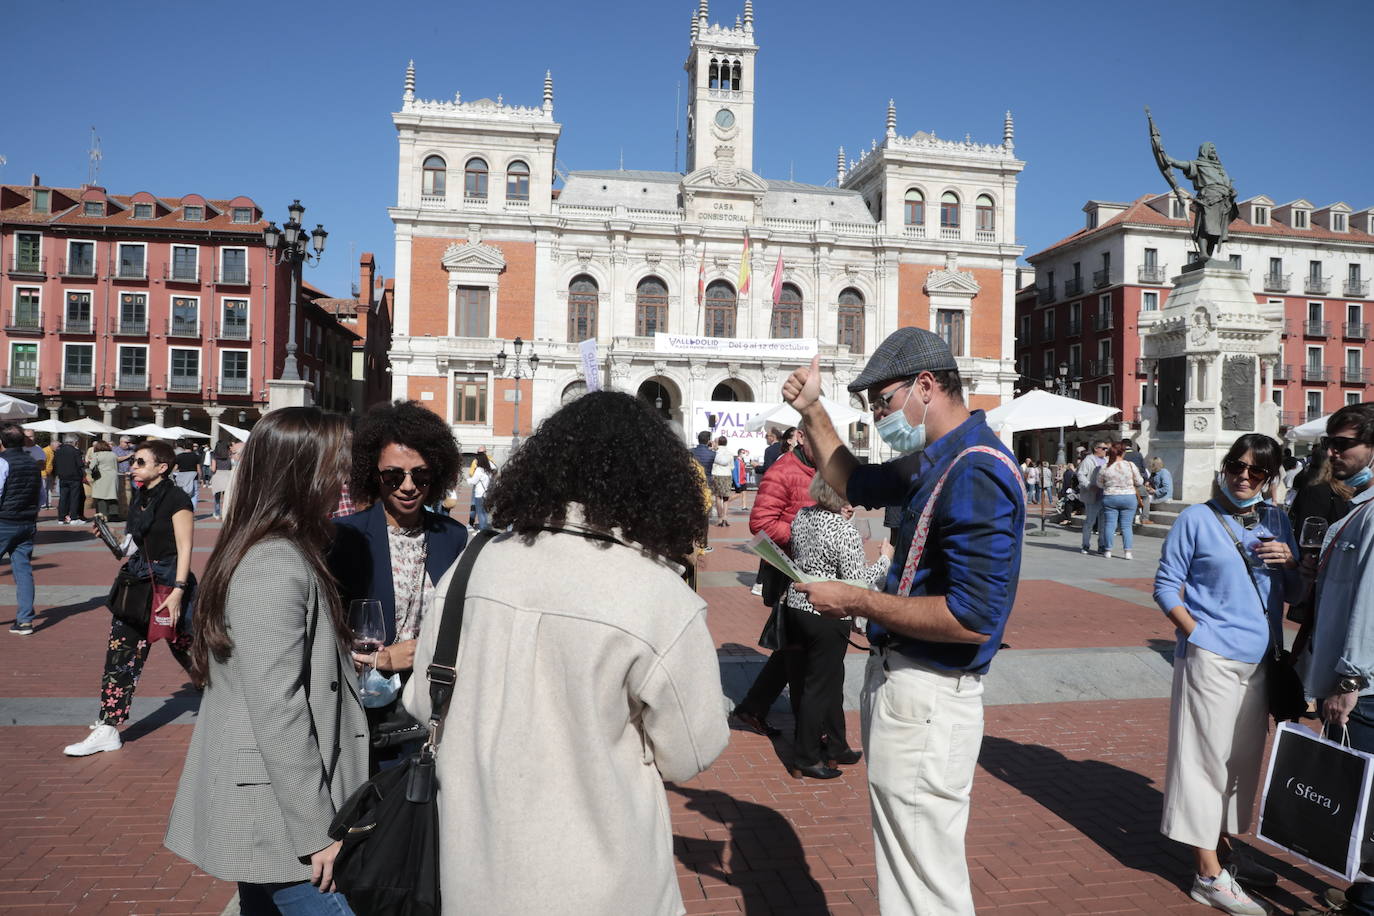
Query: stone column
107, 409
160, 414
214, 413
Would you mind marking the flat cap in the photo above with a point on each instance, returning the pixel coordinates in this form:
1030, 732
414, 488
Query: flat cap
905, 353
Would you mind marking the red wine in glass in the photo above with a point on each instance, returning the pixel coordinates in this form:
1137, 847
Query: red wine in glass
369, 633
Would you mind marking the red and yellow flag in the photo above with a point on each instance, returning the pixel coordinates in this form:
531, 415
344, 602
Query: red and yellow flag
744, 272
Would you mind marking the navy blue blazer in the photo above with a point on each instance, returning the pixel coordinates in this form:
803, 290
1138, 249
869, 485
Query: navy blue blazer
360, 557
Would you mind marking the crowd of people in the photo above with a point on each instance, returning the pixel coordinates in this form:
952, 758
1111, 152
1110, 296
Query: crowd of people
586, 676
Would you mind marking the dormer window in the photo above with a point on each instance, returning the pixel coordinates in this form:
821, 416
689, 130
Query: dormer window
1300, 219
242, 215
193, 214
1338, 223
42, 201
1260, 216
93, 208
1177, 209
1092, 219
143, 211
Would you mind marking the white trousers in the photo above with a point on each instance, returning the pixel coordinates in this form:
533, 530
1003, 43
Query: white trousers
1218, 719
922, 731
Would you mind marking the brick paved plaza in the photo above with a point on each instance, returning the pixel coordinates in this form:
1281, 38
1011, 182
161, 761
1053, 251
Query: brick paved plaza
1066, 800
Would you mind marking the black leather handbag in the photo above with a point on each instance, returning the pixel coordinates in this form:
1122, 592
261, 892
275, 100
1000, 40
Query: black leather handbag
389, 862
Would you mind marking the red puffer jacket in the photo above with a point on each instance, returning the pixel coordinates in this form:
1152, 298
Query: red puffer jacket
783, 492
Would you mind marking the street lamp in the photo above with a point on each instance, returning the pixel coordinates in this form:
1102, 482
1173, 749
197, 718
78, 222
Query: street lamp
287, 245
1065, 387
517, 372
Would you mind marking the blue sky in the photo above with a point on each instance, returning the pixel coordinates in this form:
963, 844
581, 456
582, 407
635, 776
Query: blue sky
279, 101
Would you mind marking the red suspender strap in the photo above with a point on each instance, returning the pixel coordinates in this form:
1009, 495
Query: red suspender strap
918, 542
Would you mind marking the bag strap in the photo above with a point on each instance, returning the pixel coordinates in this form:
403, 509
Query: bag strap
918, 542
441, 671
1240, 551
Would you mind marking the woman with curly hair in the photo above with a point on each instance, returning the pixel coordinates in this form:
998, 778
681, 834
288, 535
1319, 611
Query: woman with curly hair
586, 673
395, 550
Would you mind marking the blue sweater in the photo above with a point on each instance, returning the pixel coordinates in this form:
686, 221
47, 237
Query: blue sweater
1201, 559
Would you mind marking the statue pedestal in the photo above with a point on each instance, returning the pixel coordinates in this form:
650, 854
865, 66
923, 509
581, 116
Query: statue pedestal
283, 393
1212, 352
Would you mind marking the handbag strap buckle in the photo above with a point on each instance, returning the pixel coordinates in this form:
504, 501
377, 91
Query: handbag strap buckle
442, 674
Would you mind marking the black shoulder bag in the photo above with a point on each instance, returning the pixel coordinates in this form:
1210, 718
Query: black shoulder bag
1281, 682
389, 863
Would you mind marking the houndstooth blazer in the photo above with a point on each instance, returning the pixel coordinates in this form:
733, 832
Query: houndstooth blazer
254, 802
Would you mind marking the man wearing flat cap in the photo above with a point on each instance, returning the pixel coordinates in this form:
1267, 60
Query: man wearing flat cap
940, 617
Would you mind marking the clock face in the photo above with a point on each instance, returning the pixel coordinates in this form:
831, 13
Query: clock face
725, 119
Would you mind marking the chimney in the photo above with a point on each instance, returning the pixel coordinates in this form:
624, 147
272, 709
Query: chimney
367, 266
36, 182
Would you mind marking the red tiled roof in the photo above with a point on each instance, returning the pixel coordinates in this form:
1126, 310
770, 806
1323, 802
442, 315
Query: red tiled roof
218, 215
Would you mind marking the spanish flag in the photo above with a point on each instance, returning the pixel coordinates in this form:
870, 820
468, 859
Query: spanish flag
744, 272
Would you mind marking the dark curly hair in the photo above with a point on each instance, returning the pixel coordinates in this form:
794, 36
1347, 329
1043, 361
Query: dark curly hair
403, 423
613, 454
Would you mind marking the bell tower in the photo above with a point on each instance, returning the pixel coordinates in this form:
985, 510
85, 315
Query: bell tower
720, 100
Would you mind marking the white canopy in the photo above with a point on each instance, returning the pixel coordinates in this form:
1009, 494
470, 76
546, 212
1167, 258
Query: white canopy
1042, 410
151, 429
1310, 431
181, 432
55, 427
16, 409
236, 432
93, 426
783, 416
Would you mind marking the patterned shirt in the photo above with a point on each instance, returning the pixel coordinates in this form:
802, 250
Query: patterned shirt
414, 592
825, 544
973, 554
1119, 478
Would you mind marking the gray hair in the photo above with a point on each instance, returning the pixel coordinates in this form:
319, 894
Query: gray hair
70, 439
825, 495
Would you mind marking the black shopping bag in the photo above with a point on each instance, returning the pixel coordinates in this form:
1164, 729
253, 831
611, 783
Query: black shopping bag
1316, 799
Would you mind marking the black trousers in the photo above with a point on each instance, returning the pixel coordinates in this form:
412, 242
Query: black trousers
815, 674
768, 685
72, 499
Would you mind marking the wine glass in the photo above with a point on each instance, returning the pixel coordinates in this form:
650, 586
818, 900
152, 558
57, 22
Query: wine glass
368, 624
1313, 533
1265, 535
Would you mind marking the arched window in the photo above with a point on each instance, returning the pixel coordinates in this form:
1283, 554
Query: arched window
720, 309
715, 74
851, 320
787, 314
737, 73
475, 178
435, 177
949, 210
651, 307
517, 181
582, 302
983, 210
915, 209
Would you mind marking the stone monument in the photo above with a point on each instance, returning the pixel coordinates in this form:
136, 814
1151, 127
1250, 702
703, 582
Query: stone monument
1210, 353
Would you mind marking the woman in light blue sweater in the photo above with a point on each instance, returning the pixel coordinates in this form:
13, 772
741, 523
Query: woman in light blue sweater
1225, 570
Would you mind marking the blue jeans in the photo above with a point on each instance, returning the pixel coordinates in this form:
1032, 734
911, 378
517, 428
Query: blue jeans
299, 899
1092, 512
479, 504
1033, 492
1117, 513
16, 539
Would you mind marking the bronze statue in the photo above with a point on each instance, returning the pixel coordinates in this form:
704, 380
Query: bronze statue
1214, 200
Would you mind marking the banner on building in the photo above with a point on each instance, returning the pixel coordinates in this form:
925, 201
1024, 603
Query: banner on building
728, 418
782, 348
591, 370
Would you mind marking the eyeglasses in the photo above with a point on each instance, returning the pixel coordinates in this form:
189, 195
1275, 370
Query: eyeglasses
144, 463
1341, 443
1237, 467
883, 402
1099, 448
394, 478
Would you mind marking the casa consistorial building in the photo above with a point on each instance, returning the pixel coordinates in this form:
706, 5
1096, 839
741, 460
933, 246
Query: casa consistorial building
705, 285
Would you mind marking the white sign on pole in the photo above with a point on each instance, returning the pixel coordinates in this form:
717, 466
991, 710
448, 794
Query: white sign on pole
591, 370
728, 418
799, 348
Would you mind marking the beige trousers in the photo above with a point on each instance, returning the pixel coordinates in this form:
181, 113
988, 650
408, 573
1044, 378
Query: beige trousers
1218, 719
922, 730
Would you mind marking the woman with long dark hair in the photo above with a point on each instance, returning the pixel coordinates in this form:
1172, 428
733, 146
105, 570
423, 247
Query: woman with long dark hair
160, 525
586, 674
1225, 570
480, 480
281, 739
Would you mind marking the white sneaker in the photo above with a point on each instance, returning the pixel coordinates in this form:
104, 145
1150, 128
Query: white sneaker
1226, 895
1128, 556
102, 738
757, 589
1106, 554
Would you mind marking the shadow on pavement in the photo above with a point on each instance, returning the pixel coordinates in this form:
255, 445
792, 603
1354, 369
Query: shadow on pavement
55, 615
186, 699
765, 857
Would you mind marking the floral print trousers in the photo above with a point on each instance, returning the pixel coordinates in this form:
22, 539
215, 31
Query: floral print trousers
124, 659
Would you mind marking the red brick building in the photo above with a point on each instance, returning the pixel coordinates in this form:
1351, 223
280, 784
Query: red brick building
138, 308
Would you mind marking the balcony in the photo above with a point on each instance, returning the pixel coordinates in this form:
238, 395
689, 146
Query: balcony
1354, 375
129, 381
180, 327
1355, 330
1317, 286
233, 386
1075, 327
1277, 283
1102, 278
1288, 418
25, 321
78, 325
1357, 289
183, 383
23, 378
77, 268
1313, 373
233, 276
1153, 273
1283, 372
81, 381
34, 268
181, 273
984, 235
231, 331
433, 201
1073, 287
126, 271
517, 203
1102, 321
914, 232
1101, 368
1044, 295
1315, 327
133, 327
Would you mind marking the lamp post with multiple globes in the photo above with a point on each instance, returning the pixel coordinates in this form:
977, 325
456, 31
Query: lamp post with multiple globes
517, 372
287, 245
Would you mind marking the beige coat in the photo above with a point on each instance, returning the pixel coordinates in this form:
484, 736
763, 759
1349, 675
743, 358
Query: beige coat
586, 677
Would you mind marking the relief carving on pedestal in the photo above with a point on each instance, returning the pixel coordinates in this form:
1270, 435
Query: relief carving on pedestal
1238, 393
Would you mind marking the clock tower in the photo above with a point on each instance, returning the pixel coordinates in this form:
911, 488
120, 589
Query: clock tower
720, 101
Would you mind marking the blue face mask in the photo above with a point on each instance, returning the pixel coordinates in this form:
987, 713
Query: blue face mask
1360, 478
896, 430
1235, 500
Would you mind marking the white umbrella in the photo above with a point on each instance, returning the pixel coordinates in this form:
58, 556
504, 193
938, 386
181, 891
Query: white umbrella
55, 427
236, 432
16, 409
93, 426
181, 432
1310, 431
1042, 410
783, 416
150, 429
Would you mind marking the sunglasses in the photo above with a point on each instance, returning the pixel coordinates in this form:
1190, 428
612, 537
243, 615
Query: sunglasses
1237, 467
144, 463
1341, 443
883, 402
395, 478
